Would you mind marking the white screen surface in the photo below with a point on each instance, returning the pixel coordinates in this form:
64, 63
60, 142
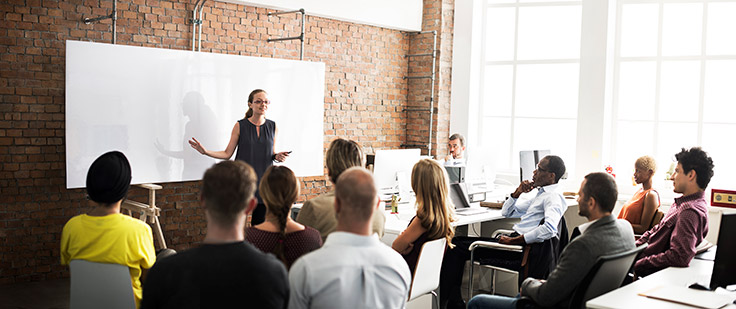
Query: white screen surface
147, 102
392, 163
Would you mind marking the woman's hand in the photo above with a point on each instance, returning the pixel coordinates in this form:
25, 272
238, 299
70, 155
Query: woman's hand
280, 156
197, 146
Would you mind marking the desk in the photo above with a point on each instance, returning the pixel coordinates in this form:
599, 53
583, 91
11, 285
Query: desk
626, 297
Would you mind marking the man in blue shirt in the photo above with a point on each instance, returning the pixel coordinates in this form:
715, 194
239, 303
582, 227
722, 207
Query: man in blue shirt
540, 217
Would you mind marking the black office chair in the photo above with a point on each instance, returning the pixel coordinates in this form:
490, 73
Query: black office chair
606, 275
537, 260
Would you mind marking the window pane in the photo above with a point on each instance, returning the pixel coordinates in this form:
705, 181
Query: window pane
495, 143
633, 140
549, 32
500, 26
498, 89
720, 91
539, 134
721, 31
636, 90
682, 29
547, 90
679, 91
722, 154
674, 136
639, 24
501, 1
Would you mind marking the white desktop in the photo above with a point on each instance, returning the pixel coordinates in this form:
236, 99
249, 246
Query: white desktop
392, 172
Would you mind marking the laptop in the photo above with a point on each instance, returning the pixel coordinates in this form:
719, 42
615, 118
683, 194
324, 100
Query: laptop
459, 196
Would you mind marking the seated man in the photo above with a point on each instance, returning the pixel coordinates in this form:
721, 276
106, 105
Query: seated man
225, 270
672, 242
603, 234
104, 235
319, 212
456, 149
547, 206
353, 268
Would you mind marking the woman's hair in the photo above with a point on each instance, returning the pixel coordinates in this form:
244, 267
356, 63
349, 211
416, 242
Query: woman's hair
279, 190
647, 163
250, 100
342, 154
431, 185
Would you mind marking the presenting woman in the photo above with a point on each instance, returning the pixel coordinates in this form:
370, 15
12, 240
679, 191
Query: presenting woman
639, 210
254, 136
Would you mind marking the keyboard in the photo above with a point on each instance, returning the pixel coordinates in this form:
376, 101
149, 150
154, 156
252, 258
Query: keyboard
470, 211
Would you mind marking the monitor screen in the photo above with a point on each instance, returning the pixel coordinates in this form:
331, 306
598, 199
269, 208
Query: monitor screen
456, 174
528, 160
390, 163
724, 266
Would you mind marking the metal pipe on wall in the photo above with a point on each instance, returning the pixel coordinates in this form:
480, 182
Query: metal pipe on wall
197, 22
432, 79
199, 43
113, 16
300, 37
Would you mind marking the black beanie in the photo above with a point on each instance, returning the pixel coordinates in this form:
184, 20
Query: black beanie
108, 178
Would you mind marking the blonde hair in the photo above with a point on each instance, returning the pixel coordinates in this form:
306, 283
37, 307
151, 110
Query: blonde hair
647, 163
430, 183
279, 190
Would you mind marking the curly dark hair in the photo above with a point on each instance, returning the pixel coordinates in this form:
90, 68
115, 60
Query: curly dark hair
696, 159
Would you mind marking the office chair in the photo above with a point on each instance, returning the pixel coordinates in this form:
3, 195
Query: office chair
100, 285
426, 276
537, 261
607, 274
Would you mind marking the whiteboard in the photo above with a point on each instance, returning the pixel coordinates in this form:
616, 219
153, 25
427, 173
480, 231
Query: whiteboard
147, 102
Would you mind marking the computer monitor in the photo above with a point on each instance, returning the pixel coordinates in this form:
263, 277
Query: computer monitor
456, 173
390, 163
724, 266
528, 160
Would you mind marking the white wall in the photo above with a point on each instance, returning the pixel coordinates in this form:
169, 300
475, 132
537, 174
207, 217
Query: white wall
403, 15
147, 102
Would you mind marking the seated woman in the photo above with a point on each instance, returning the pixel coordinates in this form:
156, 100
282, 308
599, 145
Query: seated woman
279, 234
639, 210
434, 213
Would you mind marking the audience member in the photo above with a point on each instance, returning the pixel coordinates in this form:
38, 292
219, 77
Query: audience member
434, 212
279, 234
353, 268
319, 212
672, 242
456, 149
640, 209
601, 235
104, 235
539, 215
225, 270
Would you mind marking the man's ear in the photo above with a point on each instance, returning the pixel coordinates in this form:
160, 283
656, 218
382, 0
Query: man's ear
251, 206
692, 175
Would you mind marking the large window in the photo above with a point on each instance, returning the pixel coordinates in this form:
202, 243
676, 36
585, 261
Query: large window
670, 83
530, 78
674, 84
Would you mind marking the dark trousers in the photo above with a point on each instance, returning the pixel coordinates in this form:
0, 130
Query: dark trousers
453, 264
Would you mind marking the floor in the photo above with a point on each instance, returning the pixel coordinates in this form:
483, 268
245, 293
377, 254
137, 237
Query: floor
35, 295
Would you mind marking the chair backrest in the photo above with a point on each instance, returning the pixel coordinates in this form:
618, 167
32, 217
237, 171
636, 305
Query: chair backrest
426, 277
100, 285
658, 216
606, 275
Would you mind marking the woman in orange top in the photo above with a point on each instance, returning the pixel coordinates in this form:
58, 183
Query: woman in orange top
639, 210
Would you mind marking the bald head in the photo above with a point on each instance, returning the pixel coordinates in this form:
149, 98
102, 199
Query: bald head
355, 191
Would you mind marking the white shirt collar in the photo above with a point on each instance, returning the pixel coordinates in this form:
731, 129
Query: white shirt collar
351, 239
586, 225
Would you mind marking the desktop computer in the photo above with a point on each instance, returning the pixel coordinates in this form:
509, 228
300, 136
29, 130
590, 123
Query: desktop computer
724, 266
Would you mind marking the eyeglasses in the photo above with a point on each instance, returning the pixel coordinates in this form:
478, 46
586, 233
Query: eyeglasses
267, 102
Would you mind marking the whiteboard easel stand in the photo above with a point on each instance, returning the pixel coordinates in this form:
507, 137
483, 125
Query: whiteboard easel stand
147, 211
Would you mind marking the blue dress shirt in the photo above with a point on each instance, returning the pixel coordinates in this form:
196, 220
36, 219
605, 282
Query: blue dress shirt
547, 204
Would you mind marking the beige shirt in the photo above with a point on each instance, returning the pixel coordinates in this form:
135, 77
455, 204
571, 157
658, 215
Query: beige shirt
319, 213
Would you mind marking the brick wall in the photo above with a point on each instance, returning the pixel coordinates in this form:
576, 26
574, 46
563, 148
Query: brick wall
365, 95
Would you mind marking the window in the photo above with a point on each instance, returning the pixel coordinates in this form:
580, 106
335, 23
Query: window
674, 71
530, 78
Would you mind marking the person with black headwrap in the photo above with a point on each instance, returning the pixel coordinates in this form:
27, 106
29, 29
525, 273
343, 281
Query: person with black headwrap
104, 235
